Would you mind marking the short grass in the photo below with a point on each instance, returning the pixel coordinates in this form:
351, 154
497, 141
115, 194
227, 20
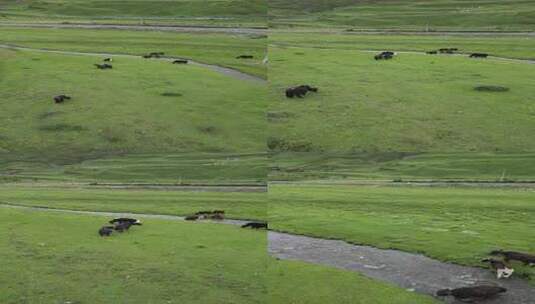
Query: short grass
432, 15
122, 111
301, 283
184, 168
491, 167
197, 12
218, 49
159, 262
414, 103
460, 225
237, 205
520, 47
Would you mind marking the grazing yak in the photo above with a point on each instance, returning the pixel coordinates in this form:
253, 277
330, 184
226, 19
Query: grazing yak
108, 59
245, 57
180, 61
502, 271
211, 215
525, 258
448, 50
255, 225
154, 54
432, 52
103, 66
384, 55
61, 98
106, 231
300, 91
479, 55
474, 293
191, 218
132, 221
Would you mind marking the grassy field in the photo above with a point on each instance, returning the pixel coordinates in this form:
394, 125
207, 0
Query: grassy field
191, 12
486, 15
403, 166
301, 283
520, 47
159, 262
237, 205
460, 225
414, 103
183, 168
124, 110
219, 49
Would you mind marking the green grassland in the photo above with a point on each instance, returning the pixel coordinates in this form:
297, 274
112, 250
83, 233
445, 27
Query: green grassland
182, 168
190, 12
301, 283
432, 15
520, 47
159, 262
460, 225
237, 205
218, 49
162, 262
491, 167
122, 111
413, 103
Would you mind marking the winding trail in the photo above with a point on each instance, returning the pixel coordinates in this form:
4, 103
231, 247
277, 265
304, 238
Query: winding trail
216, 68
414, 272
160, 28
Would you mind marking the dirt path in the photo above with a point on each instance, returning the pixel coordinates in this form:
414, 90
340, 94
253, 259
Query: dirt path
406, 270
222, 70
161, 28
410, 271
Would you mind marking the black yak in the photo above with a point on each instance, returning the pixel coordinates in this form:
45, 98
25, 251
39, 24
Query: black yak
384, 55
479, 55
132, 221
61, 98
300, 91
525, 258
255, 225
103, 66
106, 231
474, 293
180, 61
245, 57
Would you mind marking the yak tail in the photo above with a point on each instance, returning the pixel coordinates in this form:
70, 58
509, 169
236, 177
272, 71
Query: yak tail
444, 292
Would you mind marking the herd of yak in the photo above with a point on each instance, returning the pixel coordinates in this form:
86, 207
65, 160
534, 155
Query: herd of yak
123, 224
302, 90
107, 65
503, 270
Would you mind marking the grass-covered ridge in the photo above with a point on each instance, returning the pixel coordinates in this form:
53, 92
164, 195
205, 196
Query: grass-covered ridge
470, 167
211, 12
460, 225
406, 15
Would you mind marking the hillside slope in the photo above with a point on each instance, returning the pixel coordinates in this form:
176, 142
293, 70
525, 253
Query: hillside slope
408, 15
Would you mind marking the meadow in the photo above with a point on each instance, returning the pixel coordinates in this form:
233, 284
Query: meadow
218, 49
413, 103
427, 15
398, 167
178, 12
237, 205
159, 262
459, 225
130, 109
